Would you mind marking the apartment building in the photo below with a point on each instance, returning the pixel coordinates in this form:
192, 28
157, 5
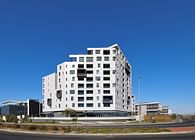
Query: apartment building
94, 84
150, 109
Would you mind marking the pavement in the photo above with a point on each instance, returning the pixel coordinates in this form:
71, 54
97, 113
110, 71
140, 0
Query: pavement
5, 135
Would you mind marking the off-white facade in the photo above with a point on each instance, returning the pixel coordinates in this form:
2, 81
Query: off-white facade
96, 84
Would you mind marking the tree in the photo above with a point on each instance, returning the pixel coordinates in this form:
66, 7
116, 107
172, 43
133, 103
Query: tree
70, 112
11, 118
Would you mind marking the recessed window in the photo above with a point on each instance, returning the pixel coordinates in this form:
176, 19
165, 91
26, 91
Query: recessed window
89, 79
80, 65
89, 59
73, 104
81, 59
114, 72
72, 71
89, 85
114, 51
89, 72
89, 98
72, 85
72, 98
106, 91
98, 98
99, 65
97, 85
106, 52
106, 72
73, 66
90, 52
80, 85
106, 66
73, 78
89, 91
72, 91
80, 92
114, 58
80, 105
97, 72
106, 58
97, 51
80, 99
99, 105
99, 58
89, 105
97, 78
89, 65
106, 85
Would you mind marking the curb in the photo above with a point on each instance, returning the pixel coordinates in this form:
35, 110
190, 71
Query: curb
85, 134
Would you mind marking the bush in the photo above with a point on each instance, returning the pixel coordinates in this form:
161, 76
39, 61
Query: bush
31, 127
11, 118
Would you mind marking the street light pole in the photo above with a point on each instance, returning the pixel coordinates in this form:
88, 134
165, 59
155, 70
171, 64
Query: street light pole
139, 86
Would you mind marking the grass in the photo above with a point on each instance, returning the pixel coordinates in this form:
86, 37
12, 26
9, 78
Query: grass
68, 129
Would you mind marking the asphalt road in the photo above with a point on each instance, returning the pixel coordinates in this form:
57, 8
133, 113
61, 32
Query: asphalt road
19, 136
154, 125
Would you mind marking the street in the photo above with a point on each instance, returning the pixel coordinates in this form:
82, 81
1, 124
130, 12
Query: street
20, 136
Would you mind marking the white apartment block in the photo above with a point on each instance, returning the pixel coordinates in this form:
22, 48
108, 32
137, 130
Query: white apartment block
94, 84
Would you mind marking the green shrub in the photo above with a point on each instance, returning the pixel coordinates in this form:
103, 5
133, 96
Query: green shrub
31, 127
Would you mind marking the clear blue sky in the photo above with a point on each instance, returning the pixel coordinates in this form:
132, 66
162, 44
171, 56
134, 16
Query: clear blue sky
157, 36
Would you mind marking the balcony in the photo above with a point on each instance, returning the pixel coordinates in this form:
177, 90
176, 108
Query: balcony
107, 99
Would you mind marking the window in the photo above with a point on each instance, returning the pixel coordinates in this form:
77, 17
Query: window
59, 73
89, 59
89, 85
106, 72
73, 66
114, 51
99, 58
99, 105
81, 59
97, 72
97, 78
89, 79
106, 52
106, 58
73, 104
99, 91
114, 58
89, 98
80, 105
106, 85
72, 71
80, 99
89, 65
89, 91
72, 91
99, 65
97, 85
98, 98
97, 51
89, 105
60, 67
80, 65
90, 52
72, 85
114, 72
80, 92
106, 66
89, 72
106, 91
80, 85
73, 78
114, 84
107, 105
72, 98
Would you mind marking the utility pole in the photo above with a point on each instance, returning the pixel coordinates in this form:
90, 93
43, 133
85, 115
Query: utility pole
139, 86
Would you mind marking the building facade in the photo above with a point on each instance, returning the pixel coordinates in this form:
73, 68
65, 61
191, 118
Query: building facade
151, 109
94, 84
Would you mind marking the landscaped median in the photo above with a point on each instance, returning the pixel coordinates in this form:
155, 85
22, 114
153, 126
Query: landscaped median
77, 129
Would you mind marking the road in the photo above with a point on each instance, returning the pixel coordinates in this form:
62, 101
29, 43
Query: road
154, 125
20, 136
